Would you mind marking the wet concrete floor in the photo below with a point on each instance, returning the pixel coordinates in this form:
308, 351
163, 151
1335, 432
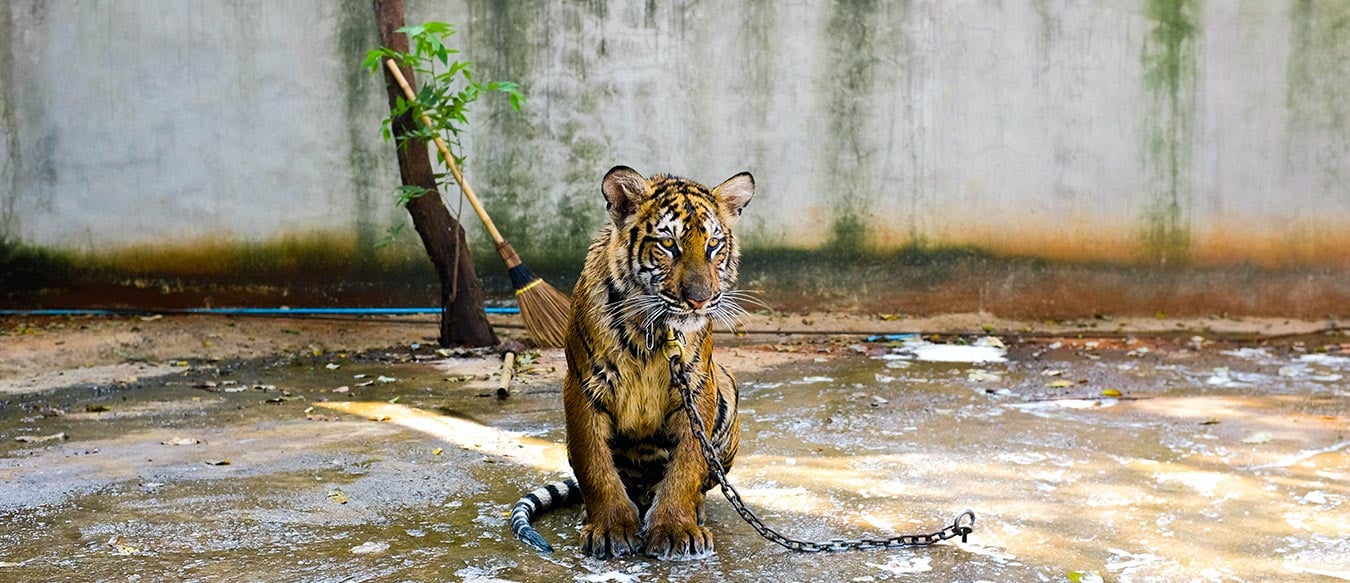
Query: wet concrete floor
1085, 459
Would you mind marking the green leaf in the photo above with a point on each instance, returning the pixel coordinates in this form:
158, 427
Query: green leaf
439, 28
391, 235
372, 60
408, 192
375, 58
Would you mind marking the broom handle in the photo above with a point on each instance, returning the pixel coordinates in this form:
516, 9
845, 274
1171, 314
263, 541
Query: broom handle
503, 248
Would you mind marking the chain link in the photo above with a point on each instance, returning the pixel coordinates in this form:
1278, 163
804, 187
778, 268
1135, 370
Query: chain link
962, 526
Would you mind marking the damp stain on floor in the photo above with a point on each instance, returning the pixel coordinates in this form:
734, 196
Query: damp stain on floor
1129, 459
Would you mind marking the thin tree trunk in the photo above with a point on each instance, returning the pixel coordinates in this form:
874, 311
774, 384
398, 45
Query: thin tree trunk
463, 321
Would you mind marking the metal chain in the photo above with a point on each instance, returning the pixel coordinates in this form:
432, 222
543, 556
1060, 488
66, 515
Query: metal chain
962, 526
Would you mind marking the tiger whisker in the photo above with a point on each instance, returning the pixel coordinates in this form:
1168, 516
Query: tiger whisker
726, 314
652, 318
733, 308
747, 296
638, 305
727, 321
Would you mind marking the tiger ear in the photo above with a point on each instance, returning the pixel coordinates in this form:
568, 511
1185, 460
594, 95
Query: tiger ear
624, 188
735, 193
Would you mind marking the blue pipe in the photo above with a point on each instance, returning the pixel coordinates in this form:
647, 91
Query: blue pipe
253, 311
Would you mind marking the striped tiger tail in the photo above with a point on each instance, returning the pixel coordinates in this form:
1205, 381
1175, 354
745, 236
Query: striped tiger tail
555, 495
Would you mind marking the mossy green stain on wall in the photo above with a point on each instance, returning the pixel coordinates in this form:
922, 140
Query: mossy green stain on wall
1170, 77
854, 42
9, 129
500, 43
548, 214
579, 211
1317, 84
1047, 31
758, 45
356, 35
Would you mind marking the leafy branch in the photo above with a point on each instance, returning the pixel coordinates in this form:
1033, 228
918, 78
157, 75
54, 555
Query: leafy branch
448, 88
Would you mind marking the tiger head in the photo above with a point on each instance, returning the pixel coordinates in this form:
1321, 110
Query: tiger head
673, 247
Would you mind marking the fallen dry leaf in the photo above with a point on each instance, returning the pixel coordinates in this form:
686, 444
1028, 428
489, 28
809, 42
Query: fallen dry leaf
120, 547
41, 438
1259, 437
370, 548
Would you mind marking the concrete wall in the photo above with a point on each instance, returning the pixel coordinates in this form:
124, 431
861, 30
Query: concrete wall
1138, 131
157, 121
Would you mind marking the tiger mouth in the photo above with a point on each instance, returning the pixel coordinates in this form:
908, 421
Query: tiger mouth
679, 308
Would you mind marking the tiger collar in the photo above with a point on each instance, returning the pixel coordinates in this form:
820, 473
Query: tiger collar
674, 346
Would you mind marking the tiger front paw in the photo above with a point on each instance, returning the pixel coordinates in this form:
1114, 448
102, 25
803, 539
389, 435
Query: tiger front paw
678, 540
611, 534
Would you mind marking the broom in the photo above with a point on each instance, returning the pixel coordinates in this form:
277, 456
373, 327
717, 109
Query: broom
543, 307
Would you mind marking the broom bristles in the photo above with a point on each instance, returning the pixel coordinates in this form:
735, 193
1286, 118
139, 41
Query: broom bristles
544, 308
545, 311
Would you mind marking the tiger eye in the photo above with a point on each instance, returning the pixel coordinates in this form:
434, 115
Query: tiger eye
714, 243
667, 243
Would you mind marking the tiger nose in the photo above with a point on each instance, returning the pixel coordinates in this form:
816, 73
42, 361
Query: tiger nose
697, 296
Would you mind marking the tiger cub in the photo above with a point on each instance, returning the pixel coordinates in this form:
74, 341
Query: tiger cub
666, 260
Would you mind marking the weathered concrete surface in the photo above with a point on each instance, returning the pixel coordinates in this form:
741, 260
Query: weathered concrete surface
44, 353
1153, 131
1183, 456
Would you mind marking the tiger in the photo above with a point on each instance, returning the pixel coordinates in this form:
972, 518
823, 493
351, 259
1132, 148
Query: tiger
665, 262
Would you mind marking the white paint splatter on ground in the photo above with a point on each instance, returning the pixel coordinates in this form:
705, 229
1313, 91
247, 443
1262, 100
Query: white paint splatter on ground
370, 548
1329, 360
929, 352
599, 573
813, 380
904, 566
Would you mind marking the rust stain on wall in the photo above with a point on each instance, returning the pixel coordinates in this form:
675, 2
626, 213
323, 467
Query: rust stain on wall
1298, 245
